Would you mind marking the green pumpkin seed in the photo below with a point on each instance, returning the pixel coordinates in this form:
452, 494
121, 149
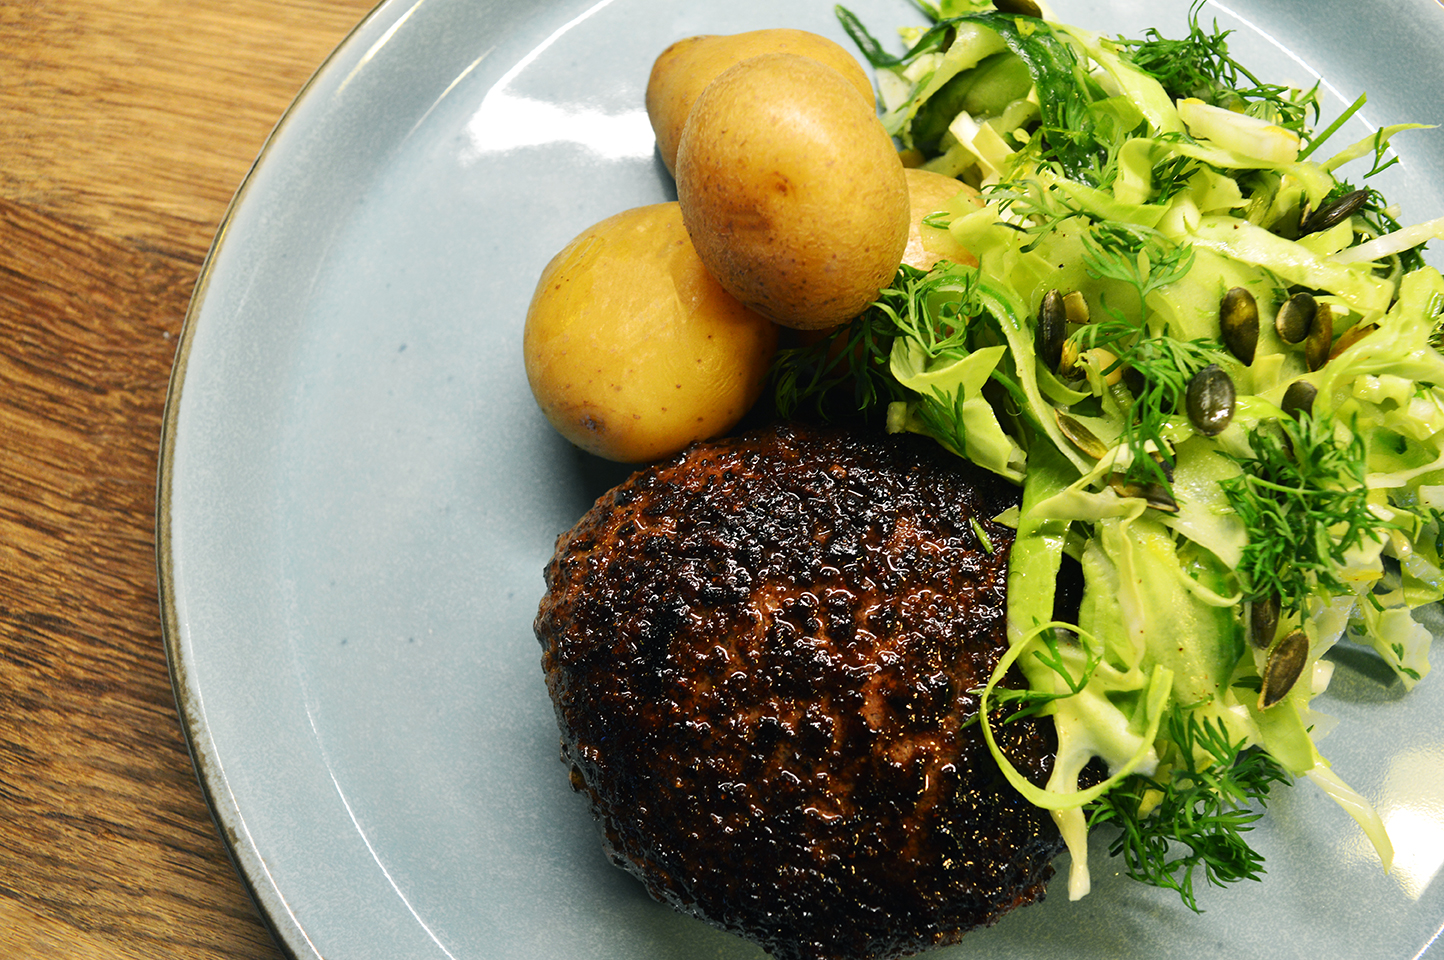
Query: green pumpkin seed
1076, 307
1156, 494
1350, 337
1295, 318
1068, 358
1238, 323
1263, 621
1081, 437
1026, 8
1299, 398
1210, 400
1283, 668
1333, 214
1051, 331
1320, 339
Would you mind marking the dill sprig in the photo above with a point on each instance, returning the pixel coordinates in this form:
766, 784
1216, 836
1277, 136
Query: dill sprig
1193, 823
1137, 256
1199, 65
942, 330
1304, 502
1171, 175
1034, 209
845, 370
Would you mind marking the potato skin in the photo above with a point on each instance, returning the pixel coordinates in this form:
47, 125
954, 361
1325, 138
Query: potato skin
685, 68
928, 193
792, 190
632, 350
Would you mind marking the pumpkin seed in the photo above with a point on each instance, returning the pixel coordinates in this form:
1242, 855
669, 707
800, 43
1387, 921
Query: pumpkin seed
1295, 318
1238, 323
1333, 214
1283, 668
1299, 398
1263, 620
1081, 437
1350, 337
1051, 331
1025, 7
1156, 494
1320, 338
1210, 400
1068, 361
1076, 307
1165, 462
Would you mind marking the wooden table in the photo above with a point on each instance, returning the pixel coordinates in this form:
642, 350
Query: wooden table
125, 126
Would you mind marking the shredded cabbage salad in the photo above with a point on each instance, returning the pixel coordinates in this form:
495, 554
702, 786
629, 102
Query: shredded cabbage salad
1211, 364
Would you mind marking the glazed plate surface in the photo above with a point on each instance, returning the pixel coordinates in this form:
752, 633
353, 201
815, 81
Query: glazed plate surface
358, 496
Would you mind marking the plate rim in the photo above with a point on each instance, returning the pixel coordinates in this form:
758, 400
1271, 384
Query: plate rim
227, 817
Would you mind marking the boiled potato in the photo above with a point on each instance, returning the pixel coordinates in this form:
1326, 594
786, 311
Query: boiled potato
632, 350
792, 191
928, 193
685, 68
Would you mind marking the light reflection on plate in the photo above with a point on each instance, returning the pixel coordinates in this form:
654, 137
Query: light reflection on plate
358, 495
508, 121
1412, 808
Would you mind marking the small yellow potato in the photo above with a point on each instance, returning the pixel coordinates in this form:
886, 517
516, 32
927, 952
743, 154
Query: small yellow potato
685, 68
632, 350
792, 191
929, 193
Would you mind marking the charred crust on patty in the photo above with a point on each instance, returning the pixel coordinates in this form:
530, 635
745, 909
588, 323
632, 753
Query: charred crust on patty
763, 656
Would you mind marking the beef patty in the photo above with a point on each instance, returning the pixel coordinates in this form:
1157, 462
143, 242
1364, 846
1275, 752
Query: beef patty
762, 656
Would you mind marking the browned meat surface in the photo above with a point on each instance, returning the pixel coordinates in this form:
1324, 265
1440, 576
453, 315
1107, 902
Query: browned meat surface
761, 655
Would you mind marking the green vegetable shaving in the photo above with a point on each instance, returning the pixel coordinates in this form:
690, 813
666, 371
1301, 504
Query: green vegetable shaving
1210, 363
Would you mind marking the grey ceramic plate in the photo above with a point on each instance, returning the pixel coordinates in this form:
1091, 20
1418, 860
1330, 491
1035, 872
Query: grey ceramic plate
358, 496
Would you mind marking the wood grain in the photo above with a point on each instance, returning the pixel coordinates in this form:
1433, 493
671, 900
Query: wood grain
125, 127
